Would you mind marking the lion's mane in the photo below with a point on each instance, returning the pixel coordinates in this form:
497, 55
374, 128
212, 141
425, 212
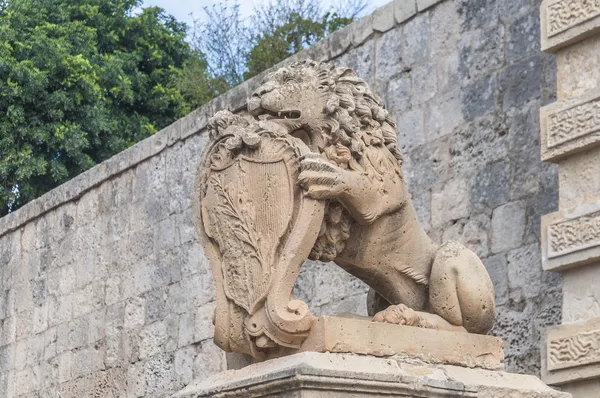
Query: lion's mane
359, 134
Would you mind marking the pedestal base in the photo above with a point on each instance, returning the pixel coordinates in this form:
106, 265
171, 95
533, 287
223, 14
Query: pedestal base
320, 375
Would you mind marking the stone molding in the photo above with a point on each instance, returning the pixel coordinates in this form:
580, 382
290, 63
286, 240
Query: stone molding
564, 22
571, 238
317, 375
571, 126
234, 100
571, 353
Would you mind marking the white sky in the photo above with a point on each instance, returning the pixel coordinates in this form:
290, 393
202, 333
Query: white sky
181, 9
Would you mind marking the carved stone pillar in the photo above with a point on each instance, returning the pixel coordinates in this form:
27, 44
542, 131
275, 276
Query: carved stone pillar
570, 137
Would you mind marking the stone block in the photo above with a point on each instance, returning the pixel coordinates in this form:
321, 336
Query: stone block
427, 165
135, 313
389, 62
65, 363
451, 203
491, 186
411, 129
566, 22
508, 226
383, 18
570, 126
159, 375
496, 266
569, 353
136, 383
447, 73
186, 330
152, 339
422, 5
525, 271
443, 115
184, 365
404, 9
204, 328
576, 74
579, 179
417, 37
472, 232
445, 29
523, 38
519, 81
481, 52
339, 41
362, 30
424, 83
479, 97
580, 294
571, 238
361, 336
315, 375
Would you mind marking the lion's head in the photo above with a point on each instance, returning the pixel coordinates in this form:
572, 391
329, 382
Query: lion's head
335, 113
325, 106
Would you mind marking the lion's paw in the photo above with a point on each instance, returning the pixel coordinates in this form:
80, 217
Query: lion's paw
401, 315
320, 178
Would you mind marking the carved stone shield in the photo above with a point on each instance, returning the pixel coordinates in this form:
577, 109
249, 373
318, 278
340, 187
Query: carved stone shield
257, 227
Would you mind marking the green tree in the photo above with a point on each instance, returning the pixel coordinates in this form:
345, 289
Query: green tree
81, 80
296, 34
235, 49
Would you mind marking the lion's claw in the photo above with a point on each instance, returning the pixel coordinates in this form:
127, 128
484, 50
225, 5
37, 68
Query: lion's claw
400, 315
320, 178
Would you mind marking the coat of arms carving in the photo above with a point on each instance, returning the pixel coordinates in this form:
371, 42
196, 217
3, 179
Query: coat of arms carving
258, 228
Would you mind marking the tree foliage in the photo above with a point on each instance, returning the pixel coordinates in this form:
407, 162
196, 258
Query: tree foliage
81, 80
236, 49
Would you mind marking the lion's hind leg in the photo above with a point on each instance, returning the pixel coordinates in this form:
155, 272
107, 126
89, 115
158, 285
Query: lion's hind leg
460, 289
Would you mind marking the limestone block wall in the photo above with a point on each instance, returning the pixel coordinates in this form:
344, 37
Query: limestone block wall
104, 287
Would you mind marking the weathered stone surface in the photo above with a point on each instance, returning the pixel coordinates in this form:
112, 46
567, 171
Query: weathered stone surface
571, 238
383, 18
404, 9
581, 297
362, 336
411, 129
570, 126
508, 226
318, 375
579, 178
566, 22
451, 203
362, 30
570, 353
417, 36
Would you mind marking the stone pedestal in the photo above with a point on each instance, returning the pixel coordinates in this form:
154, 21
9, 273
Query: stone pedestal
570, 137
353, 357
320, 375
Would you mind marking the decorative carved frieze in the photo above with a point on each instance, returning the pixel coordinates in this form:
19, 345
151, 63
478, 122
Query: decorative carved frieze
565, 14
571, 352
571, 239
577, 350
573, 235
568, 127
567, 21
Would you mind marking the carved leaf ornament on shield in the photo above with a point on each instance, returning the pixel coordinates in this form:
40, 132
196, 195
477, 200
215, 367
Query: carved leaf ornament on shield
257, 228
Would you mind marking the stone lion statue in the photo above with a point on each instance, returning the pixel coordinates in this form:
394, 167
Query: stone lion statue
370, 227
